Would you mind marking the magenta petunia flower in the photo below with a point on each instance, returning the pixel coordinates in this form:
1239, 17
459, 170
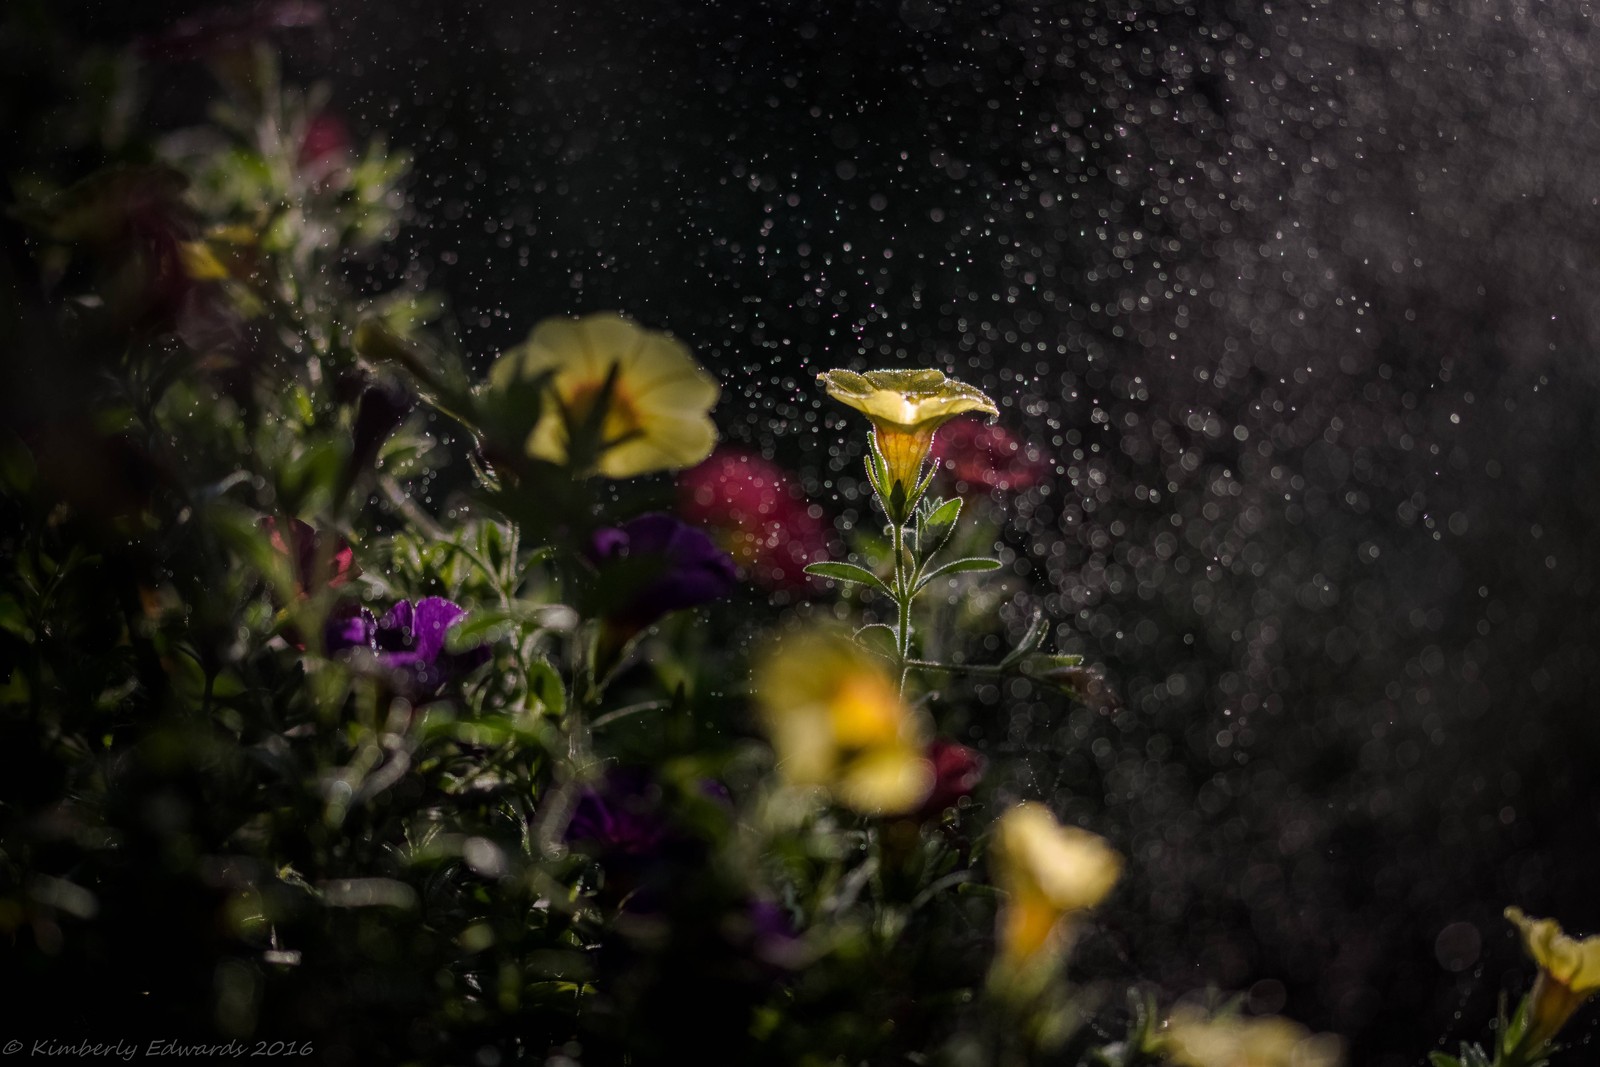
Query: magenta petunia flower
988, 456
957, 770
754, 510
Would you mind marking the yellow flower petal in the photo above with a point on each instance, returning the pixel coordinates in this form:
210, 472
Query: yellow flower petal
656, 410
1048, 872
1193, 1040
1573, 962
836, 719
907, 399
905, 408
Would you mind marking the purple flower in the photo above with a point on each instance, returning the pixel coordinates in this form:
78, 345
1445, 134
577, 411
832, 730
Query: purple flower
654, 565
620, 815
410, 641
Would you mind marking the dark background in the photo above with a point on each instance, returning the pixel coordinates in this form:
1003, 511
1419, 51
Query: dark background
1299, 297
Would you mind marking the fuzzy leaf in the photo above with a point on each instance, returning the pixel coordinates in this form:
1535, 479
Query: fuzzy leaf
846, 572
880, 639
961, 566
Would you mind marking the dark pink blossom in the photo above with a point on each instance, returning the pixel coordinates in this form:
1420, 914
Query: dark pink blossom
957, 770
987, 455
755, 511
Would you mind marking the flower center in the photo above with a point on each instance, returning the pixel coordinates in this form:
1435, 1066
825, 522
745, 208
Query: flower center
621, 421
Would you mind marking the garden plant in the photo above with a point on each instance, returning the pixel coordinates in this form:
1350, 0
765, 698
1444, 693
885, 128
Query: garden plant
375, 700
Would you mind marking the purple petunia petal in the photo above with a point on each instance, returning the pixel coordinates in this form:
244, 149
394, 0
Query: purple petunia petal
433, 617
358, 630
690, 569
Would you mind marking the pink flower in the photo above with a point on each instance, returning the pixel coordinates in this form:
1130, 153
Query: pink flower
313, 558
988, 456
755, 511
957, 770
325, 145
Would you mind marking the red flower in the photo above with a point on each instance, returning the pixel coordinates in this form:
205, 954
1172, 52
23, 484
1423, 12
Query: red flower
986, 455
325, 145
755, 511
957, 770
309, 558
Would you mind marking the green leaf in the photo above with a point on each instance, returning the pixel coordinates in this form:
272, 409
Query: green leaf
13, 619
1032, 639
1439, 1059
880, 639
544, 685
936, 524
847, 572
960, 566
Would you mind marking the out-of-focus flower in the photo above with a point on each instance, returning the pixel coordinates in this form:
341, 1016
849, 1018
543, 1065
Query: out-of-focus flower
1193, 1039
619, 815
1049, 874
140, 237
957, 770
315, 562
755, 512
324, 146
1569, 974
768, 931
1082, 682
986, 455
662, 565
623, 400
647, 568
227, 29
837, 720
409, 641
905, 408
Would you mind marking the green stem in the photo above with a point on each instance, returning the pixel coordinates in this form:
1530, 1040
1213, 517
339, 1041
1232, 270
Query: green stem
903, 595
992, 670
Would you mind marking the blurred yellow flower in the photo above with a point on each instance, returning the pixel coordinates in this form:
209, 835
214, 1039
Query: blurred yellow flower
627, 401
1192, 1039
1569, 974
1049, 873
906, 407
837, 720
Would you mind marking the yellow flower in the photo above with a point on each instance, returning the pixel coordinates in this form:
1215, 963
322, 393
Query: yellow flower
627, 400
837, 720
1193, 1040
906, 407
1049, 873
1569, 973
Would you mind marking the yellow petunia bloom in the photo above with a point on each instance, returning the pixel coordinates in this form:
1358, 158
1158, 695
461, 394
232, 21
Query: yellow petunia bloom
837, 720
655, 397
1049, 873
1569, 974
906, 407
1191, 1039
